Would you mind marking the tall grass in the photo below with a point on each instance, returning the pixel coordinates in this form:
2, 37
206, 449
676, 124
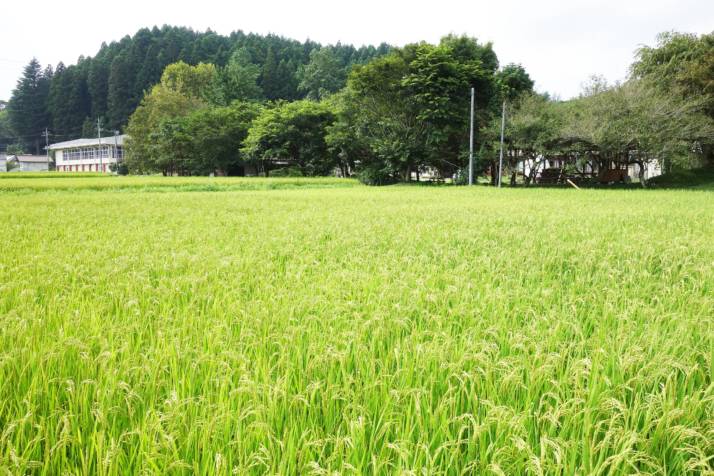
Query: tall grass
402, 330
19, 183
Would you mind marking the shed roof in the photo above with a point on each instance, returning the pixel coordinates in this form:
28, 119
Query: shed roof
109, 140
35, 159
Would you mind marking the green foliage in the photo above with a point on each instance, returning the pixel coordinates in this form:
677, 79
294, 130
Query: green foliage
194, 82
27, 109
180, 91
239, 79
292, 133
634, 122
681, 65
377, 173
353, 330
514, 81
7, 135
89, 128
698, 178
207, 140
15, 149
411, 108
322, 76
121, 74
119, 168
68, 102
680, 60
287, 172
112, 84
73, 182
534, 132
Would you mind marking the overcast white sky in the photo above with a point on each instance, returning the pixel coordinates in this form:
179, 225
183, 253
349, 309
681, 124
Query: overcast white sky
561, 43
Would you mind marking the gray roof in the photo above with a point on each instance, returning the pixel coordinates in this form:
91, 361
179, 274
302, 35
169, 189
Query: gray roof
87, 142
35, 159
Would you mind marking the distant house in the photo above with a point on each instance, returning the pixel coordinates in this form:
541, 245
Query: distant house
88, 155
3, 162
651, 169
27, 163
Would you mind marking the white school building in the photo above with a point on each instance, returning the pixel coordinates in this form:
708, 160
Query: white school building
88, 155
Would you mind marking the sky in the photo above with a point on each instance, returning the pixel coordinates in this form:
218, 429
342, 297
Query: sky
560, 43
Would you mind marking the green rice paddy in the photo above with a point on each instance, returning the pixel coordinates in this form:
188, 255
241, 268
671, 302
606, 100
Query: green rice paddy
294, 326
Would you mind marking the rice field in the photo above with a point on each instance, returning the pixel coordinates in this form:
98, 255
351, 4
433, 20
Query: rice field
230, 326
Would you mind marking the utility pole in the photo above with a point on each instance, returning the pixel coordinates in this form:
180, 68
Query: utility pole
116, 144
116, 151
471, 141
500, 159
99, 136
46, 133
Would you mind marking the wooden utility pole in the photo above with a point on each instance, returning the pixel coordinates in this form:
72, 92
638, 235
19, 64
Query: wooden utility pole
46, 134
471, 141
500, 159
99, 136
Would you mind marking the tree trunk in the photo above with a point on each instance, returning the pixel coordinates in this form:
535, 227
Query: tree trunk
641, 174
532, 172
408, 173
708, 153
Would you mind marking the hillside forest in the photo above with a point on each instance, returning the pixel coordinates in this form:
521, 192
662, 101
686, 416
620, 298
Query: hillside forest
201, 103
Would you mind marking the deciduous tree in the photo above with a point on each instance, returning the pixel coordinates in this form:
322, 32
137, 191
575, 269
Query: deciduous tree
293, 133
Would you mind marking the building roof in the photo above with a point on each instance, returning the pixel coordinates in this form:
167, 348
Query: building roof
35, 159
87, 142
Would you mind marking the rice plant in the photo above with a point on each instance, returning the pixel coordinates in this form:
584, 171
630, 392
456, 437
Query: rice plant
354, 330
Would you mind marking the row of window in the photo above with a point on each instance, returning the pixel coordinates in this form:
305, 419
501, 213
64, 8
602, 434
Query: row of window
92, 153
83, 168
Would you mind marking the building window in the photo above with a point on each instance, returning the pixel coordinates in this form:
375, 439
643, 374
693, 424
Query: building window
71, 154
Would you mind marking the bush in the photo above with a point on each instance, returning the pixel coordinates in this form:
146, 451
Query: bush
462, 176
119, 169
15, 149
376, 174
287, 172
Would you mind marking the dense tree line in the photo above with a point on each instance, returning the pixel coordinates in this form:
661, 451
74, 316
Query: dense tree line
397, 115
110, 85
385, 115
663, 114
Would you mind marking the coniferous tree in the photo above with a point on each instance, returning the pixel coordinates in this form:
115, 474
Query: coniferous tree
116, 79
98, 84
27, 109
68, 102
270, 77
120, 94
239, 79
323, 75
287, 71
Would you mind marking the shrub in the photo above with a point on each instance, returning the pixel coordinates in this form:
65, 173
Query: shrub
291, 171
376, 174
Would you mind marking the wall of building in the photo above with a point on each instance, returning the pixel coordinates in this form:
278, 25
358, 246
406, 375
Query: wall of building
84, 165
33, 167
